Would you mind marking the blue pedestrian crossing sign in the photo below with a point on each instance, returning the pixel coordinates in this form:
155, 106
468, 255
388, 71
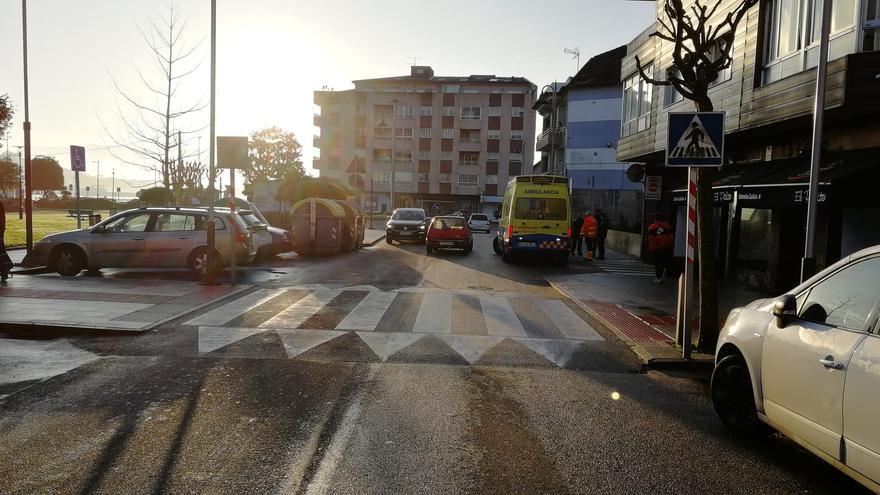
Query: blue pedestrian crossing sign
695, 139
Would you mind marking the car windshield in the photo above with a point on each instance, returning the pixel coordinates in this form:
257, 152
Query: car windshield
251, 219
540, 209
408, 215
480, 218
448, 223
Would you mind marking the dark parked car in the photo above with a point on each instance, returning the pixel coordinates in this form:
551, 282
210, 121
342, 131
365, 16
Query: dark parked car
406, 224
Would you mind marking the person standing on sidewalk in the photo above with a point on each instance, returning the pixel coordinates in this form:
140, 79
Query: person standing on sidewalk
5, 262
589, 231
576, 239
660, 241
601, 234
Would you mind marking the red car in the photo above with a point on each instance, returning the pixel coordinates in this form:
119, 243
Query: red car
449, 233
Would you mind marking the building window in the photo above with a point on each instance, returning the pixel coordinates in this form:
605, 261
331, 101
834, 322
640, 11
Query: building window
470, 113
516, 112
516, 135
449, 88
403, 132
446, 155
445, 178
383, 177
360, 132
468, 180
424, 132
382, 156
492, 157
403, 177
671, 95
494, 134
636, 103
424, 155
491, 179
794, 32
426, 111
448, 111
469, 158
516, 157
448, 133
424, 177
494, 111
469, 136
406, 111
403, 156
381, 132
871, 40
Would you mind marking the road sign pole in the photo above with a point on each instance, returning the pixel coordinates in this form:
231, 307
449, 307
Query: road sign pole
232, 260
685, 321
78, 216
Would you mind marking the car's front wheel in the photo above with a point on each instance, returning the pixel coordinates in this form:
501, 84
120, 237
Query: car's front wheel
69, 261
734, 398
389, 240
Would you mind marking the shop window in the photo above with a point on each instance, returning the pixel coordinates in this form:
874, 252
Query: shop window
755, 238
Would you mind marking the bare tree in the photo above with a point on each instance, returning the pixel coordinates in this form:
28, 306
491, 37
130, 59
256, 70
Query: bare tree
702, 39
187, 175
148, 123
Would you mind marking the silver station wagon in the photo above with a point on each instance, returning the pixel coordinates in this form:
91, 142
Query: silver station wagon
165, 237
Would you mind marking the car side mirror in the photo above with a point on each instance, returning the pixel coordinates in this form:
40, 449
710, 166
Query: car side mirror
785, 309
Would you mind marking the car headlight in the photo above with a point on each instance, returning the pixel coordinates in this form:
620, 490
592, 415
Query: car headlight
421, 227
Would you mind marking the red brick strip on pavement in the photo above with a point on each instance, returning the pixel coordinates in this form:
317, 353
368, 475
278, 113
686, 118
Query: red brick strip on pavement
634, 328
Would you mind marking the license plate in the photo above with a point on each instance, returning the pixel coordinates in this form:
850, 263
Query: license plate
407, 233
447, 243
527, 244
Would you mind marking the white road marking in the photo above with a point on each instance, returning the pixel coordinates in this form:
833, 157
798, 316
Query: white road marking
386, 345
302, 310
297, 342
435, 314
213, 338
23, 360
570, 324
368, 313
471, 347
558, 352
234, 309
500, 319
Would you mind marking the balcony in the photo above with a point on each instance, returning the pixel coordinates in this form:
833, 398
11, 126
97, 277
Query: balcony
316, 141
316, 120
543, 141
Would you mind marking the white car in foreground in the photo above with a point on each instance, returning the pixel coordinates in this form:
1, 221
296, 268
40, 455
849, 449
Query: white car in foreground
808, 365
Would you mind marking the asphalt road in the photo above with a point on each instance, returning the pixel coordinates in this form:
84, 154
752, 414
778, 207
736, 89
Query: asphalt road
427, 397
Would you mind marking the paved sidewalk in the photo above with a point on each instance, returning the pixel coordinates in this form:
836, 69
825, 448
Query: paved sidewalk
622, 296
100, 303
372, 236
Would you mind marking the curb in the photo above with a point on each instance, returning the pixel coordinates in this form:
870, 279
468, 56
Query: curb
371, 244
648, 359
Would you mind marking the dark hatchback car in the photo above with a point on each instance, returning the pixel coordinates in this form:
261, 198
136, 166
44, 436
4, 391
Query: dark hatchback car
406, 224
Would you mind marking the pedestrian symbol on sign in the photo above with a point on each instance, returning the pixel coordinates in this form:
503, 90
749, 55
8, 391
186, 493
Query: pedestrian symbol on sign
695, 139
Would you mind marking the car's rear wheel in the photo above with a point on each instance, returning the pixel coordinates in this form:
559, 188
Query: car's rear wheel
734, 398
198, 262
469, 248
68, 261
429, 249
496, 246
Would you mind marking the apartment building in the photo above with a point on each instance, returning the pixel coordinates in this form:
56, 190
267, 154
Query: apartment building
761, 192
581, 127
450, 143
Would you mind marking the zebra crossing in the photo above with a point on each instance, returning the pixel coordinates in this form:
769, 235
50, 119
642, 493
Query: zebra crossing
364, 323
625, 267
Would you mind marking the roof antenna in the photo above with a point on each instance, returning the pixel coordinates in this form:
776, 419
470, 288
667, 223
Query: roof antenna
415, 60
576, 54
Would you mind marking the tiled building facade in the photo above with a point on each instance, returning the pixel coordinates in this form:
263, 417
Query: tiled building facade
452, 142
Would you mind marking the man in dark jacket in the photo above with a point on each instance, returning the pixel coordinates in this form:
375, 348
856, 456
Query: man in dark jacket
602, 219
576, 239
5, 262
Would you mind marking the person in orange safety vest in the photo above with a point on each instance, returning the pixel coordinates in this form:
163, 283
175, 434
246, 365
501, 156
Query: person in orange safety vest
589, 231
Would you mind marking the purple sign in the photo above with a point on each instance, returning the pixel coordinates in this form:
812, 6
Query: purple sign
77, 158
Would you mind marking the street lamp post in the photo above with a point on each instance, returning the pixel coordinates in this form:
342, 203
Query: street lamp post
28, 202
808, 263
20, 194
209, 278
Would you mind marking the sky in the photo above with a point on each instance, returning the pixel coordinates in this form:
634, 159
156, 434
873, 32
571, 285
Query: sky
271, 56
